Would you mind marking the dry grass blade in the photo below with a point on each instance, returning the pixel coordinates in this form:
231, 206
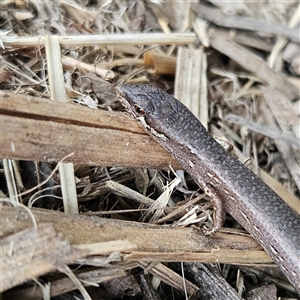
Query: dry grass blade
274, 134
221, 42
283, 113
239, 22
57, 92
96, 40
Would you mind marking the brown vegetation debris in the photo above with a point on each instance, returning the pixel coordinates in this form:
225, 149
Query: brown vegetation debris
79, 177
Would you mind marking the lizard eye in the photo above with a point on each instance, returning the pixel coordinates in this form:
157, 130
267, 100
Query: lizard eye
140, 111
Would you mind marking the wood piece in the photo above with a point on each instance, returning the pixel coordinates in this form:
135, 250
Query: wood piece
44, 109
169, 276
97, 146
160, 64
266, 292
32, 252
162, 241
36, 129
106, 248
220, 40
214, 256
191, 82
240, 22
212, 286
64, 285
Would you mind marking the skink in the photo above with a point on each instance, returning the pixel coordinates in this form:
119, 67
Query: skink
245, 197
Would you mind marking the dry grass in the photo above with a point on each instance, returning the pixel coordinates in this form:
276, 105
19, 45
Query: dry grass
59, 64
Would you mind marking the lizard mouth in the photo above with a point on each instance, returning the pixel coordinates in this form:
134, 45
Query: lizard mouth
124, 101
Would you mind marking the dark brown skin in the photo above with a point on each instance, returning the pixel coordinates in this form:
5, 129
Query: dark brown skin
245, 196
